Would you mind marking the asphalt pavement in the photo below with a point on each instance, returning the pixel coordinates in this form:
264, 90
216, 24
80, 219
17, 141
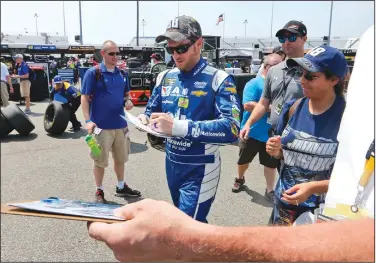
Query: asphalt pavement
41, 166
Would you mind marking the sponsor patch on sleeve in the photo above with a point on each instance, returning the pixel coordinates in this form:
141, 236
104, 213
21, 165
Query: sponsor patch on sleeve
235, 112
234, 129
231, 89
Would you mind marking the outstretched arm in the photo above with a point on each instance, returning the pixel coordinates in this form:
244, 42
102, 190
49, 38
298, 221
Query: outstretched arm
158, 231
334, 241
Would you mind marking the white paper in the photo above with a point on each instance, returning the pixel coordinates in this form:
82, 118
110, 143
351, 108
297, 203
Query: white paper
357, 131
72, 207
136, 122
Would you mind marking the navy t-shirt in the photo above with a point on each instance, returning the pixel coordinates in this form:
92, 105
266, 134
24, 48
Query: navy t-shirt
309, 144
107, 104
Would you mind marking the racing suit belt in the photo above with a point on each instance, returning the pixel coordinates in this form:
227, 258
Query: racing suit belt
198, 159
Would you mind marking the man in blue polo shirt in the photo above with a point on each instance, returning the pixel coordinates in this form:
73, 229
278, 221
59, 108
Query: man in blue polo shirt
105, 93
258, 135
25, 84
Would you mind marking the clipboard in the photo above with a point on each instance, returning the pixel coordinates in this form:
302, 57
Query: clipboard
128, 117
11, 210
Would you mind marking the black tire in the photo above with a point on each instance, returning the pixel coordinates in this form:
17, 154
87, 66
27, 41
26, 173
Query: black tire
15, 116
154, 140
5, 126
56, 118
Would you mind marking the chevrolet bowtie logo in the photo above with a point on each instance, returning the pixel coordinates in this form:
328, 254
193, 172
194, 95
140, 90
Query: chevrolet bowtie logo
199, 93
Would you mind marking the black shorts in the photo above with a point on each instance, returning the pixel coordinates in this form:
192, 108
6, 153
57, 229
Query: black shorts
249, 149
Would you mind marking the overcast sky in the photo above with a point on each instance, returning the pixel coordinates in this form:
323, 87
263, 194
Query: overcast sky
102, 20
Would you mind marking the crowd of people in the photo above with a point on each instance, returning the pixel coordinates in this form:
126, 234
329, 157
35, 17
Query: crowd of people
299, 96
292, 116
18, 64
293, 113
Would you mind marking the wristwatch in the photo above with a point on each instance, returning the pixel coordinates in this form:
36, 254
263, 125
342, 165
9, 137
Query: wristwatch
87, 121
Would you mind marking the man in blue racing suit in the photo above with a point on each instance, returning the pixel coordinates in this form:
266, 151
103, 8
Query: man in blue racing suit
199, 106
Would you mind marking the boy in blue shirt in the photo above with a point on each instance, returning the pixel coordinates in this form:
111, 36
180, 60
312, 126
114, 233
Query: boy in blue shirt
308, 128
65, 93
258, 134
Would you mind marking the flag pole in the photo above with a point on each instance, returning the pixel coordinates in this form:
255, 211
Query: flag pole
330, 22
223, 36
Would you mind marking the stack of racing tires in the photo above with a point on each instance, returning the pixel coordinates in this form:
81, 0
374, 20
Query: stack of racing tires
13, 118
56, 118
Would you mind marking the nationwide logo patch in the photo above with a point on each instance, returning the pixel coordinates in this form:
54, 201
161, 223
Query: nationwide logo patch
196, 131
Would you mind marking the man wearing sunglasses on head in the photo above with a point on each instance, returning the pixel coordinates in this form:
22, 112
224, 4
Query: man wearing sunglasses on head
105, 93
277, 50
281, 83
199, 106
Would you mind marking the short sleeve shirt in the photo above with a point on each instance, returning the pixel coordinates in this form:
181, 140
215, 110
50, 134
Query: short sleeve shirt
278, 91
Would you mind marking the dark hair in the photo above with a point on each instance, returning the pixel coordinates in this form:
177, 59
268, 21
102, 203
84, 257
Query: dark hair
340, 86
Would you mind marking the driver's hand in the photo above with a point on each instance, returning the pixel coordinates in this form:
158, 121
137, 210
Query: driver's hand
144, 120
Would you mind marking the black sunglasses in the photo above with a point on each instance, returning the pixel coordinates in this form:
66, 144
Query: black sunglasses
113, 54
291, 38
308, 76
181, 49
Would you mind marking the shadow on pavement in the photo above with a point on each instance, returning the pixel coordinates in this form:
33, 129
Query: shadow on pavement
112, 203
69, 135
256, 197
161, 147
137, 147
19, 138
23, 104
36, 114
131, 200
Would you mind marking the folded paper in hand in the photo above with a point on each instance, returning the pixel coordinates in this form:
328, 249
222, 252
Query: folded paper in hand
54, 205
136, 122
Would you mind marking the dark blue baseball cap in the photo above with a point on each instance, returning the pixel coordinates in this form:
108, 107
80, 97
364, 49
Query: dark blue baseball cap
57, 79
322, 58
